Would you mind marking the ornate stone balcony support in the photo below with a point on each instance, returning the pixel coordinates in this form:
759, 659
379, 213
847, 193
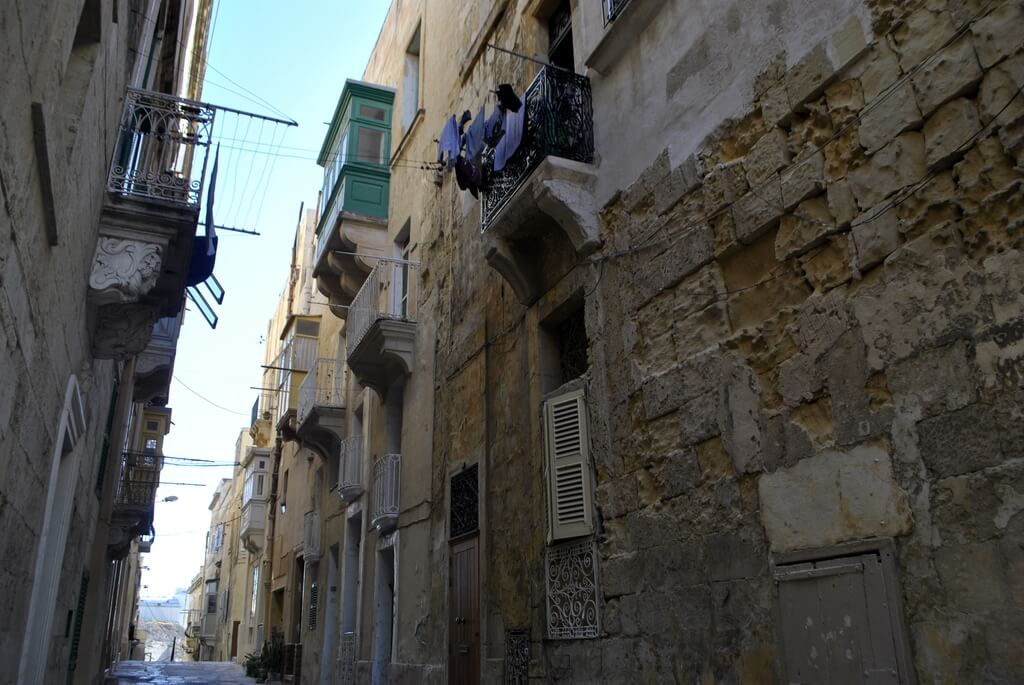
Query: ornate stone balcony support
548, 183
148, 219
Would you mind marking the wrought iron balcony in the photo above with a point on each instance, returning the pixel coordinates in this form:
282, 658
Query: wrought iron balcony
386, 472
323, 387
162, 148
140, 477
559, 123
311, 537
381, 323
350, 473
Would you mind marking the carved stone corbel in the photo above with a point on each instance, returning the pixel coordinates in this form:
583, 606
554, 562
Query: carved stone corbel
123, 270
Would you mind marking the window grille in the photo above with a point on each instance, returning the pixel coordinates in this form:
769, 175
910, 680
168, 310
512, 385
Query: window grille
314, 600
572, 591
465, 507
76, 636
517, 656
572, 346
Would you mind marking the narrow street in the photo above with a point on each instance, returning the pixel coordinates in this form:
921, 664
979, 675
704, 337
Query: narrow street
168, 673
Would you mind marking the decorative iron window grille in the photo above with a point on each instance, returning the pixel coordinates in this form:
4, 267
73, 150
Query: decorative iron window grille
465, 498
612, 9
572, 600
314, 604
559, 123
347, 660
517, 656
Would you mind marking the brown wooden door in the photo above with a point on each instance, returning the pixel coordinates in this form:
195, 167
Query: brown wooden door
234, 640
464, 615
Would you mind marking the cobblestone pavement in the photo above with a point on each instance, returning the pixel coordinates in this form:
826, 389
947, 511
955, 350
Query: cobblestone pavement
166, 673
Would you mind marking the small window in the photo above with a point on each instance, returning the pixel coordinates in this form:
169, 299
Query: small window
307, 328
151, 445
411, 81
262, 464
374, 113
152, 426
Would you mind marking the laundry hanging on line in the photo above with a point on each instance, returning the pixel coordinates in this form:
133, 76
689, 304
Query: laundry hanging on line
448, 144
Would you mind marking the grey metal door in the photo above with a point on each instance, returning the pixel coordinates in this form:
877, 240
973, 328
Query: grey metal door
835, 623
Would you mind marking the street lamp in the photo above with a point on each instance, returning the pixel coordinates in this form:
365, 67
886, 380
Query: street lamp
170, 498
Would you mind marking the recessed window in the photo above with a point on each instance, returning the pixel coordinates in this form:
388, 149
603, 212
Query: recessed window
411, 81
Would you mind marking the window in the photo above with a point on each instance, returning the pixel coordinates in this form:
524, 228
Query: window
211, 596
567, 444
411, 81
560, 37
259, 485
370, 148
564, 343
284, 492
371, 112
218, 540
255, 591
151, 445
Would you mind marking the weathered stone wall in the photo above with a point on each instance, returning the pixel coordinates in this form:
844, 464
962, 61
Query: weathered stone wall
44, 335
803, 329
811, 340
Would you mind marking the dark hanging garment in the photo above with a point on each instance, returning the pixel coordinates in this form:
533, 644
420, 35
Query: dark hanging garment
508, 98
493, 128
475, 136
515, 122
448, 143
465, 175
204, 257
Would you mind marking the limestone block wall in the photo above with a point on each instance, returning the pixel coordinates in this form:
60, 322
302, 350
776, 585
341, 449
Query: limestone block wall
57, 127
812, 330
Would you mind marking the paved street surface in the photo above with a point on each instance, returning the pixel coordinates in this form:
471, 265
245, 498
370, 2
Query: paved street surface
166, 673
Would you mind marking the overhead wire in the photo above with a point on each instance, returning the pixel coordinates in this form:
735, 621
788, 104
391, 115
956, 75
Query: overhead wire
207, 400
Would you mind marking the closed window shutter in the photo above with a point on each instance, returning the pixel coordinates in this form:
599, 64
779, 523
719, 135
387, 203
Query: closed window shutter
567, 442
314, 598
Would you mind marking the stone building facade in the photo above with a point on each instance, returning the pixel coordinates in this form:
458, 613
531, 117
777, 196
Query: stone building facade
92, 267
716, 383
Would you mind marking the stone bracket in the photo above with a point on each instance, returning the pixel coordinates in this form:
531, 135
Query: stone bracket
560, 190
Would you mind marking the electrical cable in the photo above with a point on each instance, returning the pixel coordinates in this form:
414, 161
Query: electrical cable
208, 401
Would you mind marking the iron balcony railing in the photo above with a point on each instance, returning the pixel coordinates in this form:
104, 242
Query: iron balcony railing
389, 292
323, 386
350, 473
162, 148
559, 123
296, 357
311, 536
347, 659
140, 477
386, 472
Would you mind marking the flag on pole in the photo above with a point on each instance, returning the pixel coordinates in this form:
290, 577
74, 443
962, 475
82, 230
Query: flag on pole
211, 232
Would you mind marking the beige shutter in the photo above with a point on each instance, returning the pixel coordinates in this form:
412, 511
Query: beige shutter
568, 452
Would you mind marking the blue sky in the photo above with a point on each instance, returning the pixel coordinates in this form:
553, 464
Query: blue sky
295, 56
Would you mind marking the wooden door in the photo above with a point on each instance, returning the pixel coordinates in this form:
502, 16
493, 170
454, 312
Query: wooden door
234, 640
464, 615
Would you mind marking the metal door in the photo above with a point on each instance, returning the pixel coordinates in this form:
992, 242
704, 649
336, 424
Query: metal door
464, 615
835, 623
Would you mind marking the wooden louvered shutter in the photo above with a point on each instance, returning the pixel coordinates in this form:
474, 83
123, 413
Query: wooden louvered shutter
568, 452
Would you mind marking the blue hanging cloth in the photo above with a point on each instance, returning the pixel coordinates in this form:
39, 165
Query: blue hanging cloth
204, 247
